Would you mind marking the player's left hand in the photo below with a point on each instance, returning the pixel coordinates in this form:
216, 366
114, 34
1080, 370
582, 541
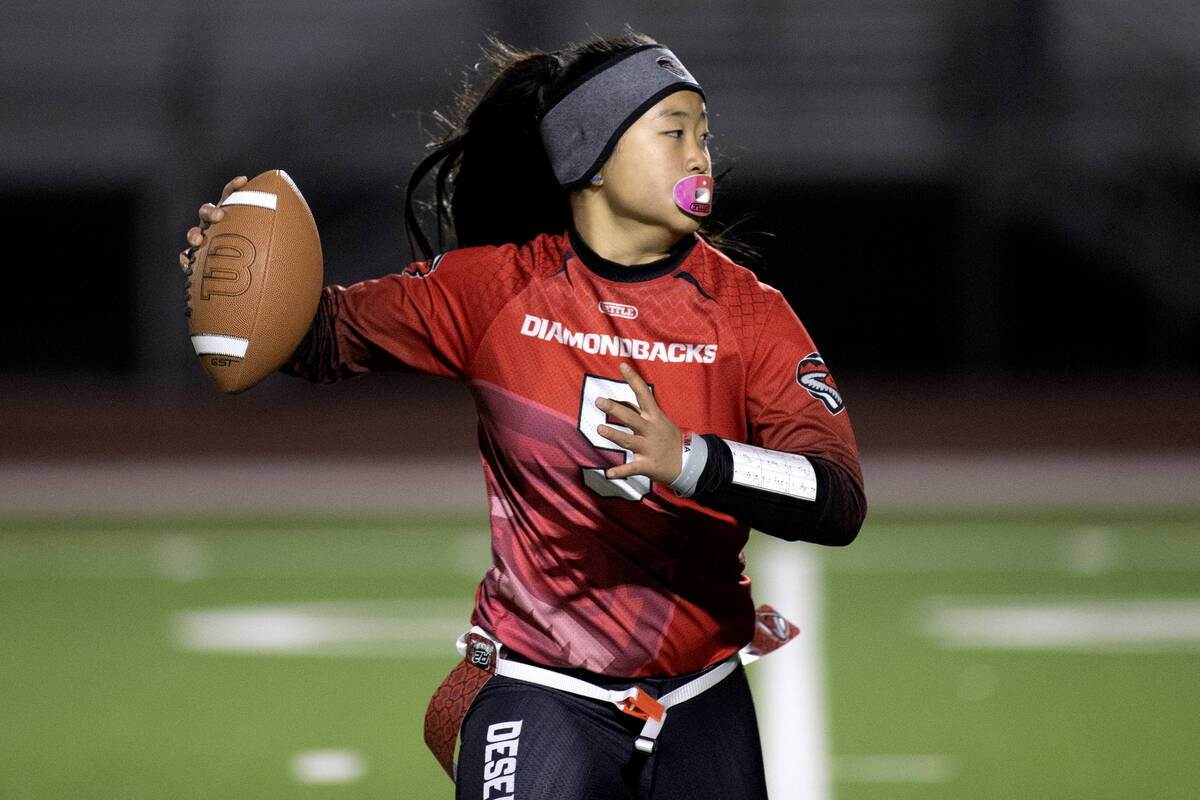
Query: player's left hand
209, 213
655, 440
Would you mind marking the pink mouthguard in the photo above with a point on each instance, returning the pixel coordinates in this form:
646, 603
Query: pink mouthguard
694, 195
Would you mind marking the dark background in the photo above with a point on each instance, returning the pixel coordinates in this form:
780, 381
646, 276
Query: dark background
1000, 195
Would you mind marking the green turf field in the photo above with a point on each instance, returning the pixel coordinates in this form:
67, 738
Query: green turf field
1048, 655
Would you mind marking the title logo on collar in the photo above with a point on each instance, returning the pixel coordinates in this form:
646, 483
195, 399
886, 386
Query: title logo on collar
618, 310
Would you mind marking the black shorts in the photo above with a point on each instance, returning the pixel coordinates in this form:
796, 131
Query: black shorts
529, 742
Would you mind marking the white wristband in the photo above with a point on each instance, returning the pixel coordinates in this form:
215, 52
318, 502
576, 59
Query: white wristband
695, 456
774, 471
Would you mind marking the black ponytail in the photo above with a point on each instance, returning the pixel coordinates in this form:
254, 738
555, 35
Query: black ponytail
492, 180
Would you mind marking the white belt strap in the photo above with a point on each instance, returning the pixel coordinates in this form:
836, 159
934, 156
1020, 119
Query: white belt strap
632, 701
694, 688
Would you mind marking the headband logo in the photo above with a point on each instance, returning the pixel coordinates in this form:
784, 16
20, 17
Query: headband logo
672, 66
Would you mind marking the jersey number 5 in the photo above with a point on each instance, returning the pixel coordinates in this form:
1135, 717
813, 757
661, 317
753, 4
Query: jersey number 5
632, 488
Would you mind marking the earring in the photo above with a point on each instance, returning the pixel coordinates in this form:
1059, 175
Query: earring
597, 180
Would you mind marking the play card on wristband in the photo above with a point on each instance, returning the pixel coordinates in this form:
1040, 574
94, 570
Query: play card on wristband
772, 471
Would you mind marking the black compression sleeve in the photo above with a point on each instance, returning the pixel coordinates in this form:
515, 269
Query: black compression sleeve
314, 350
834, 518
317, 357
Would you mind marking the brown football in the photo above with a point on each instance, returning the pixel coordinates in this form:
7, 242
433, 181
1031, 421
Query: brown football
255, 282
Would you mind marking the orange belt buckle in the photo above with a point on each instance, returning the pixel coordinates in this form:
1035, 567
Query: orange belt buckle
643, 706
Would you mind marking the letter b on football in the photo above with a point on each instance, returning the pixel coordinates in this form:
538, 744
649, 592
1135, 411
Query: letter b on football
227, 267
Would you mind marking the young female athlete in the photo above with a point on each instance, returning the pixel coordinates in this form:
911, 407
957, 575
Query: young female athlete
643, 402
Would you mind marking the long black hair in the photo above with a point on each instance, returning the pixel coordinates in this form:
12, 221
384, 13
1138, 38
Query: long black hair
492, 180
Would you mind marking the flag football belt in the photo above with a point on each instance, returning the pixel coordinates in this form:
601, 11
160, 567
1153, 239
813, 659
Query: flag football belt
483, 657
633, 701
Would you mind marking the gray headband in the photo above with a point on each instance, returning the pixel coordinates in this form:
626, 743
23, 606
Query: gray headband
580, 130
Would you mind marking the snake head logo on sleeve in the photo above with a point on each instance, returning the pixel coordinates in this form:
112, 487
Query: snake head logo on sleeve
422, 269
813, 375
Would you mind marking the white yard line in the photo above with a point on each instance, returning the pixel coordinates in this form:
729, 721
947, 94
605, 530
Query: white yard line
327, 767
894, 769
387, 628
1141, 625
790, 683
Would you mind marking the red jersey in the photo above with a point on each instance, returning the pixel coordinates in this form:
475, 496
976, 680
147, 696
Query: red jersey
619, 577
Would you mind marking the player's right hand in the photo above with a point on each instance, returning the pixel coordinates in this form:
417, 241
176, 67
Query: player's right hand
209, 213
653, 439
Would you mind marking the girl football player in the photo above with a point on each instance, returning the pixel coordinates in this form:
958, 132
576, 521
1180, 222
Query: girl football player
643, 402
